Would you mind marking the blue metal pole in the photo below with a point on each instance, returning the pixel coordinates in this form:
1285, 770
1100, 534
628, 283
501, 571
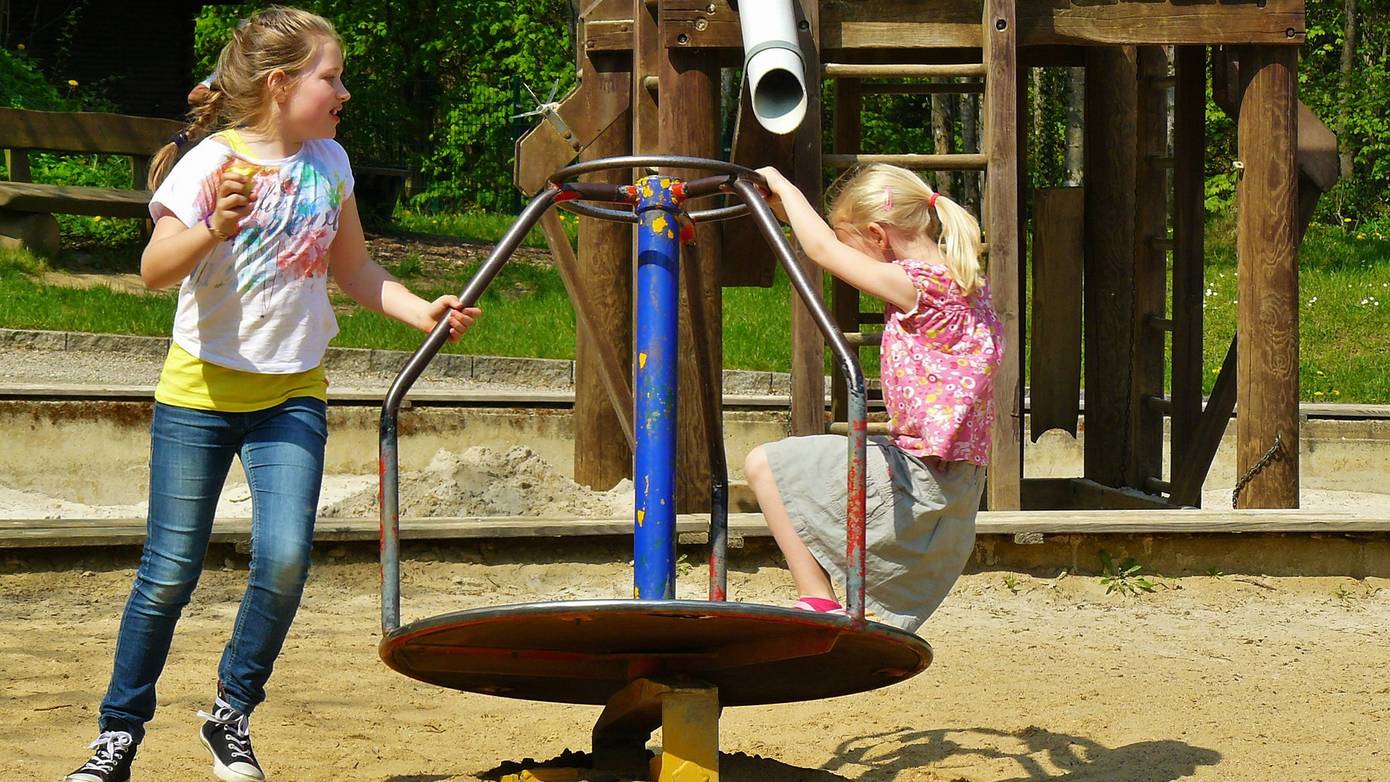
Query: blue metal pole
654, 457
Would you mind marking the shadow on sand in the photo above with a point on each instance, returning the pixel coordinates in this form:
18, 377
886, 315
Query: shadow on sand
1037, 754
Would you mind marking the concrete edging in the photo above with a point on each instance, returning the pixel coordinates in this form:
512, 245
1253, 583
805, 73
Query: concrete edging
499, 370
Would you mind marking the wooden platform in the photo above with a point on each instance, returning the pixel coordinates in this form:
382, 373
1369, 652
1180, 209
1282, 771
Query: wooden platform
36, 533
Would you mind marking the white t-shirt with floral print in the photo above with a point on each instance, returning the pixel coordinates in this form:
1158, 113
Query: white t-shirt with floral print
259, 301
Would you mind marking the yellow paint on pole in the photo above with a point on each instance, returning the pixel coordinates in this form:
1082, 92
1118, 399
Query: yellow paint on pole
641, 516
641, 360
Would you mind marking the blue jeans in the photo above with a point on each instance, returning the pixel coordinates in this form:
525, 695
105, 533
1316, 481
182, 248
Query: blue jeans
281, 450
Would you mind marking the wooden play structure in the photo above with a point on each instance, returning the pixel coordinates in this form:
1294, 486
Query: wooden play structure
1100, 255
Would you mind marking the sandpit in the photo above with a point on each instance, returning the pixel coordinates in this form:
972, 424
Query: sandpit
1208, 678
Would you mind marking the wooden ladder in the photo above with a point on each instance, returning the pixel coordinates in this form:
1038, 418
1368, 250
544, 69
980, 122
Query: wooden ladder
996, 75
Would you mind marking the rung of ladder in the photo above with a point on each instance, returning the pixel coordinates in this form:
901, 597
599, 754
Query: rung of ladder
1161, 161
868, 318
864, 338
961, 162
1161, 243
874, 427
1162, 82
1158, 404
1157, 485
931, 88
1162, 324
848, 70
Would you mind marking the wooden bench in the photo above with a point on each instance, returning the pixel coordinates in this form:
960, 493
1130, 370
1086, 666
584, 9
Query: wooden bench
27, 209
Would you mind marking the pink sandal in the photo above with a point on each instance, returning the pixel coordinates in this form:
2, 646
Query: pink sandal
820, 605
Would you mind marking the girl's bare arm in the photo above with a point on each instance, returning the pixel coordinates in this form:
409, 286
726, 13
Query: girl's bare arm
885, 281
374, 288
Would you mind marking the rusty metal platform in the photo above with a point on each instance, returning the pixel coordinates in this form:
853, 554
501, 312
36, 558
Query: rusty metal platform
585, 651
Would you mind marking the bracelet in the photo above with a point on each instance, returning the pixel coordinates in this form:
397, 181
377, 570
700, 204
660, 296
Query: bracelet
217, 232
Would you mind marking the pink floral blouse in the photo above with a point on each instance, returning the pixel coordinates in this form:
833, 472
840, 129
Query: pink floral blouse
938, 364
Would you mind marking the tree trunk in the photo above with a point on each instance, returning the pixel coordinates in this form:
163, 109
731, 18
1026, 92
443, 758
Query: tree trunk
943, 131
1344, 155
1076, 95
970, 130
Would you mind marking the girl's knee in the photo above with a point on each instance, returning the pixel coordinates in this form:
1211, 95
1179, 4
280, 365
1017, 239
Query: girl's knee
283, 576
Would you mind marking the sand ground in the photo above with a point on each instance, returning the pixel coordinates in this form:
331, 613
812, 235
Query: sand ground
1207, 678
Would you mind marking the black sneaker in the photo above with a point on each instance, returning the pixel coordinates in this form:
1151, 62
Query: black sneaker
115, 750
227, 735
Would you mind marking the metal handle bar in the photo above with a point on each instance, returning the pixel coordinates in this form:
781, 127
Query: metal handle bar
698, 188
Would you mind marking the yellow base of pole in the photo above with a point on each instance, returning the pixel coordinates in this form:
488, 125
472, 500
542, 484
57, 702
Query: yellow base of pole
689, 736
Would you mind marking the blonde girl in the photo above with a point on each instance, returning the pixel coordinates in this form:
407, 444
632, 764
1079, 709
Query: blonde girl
894, 238
257, 213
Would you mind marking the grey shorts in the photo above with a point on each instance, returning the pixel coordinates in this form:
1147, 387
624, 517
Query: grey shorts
919, 525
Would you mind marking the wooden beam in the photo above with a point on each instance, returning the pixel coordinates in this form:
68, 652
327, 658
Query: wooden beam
1189, 255
52, 533
1001, 214
711, 24
844, 298
1147, 359
643, 40
1111, 114
595, 103
1055, 355
602, 451
1267, 298
689, 125
1191, 472
917, 162
808, 345
87, 131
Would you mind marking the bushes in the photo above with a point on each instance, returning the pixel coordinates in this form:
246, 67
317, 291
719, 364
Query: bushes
434, 85
24, 87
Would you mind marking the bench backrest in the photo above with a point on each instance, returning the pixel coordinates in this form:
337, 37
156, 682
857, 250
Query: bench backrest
92, 132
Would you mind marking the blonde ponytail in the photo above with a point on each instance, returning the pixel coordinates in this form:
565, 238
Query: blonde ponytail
889, 195
202, 119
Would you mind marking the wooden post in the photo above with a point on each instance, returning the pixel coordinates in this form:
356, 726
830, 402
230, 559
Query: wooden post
1001, 213
1267, 296
1150, 272
646, 57
689, 125
1111, 105
844, 298
808, 346
1189, 213
1056, 323
601, 453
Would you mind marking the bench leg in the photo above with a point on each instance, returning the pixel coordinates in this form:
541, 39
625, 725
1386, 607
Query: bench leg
37, 233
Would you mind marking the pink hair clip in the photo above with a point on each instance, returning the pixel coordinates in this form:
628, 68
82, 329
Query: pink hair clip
888, 199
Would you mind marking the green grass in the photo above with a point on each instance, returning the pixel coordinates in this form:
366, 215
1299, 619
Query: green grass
1344, 309
475, 226
1343, 312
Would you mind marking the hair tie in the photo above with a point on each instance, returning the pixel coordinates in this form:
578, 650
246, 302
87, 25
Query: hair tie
180, 139
931, 201
888, 199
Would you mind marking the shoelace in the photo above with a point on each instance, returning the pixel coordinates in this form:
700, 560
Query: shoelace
110, 746
238, 733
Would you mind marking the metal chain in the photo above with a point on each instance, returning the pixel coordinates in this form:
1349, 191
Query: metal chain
1274, 454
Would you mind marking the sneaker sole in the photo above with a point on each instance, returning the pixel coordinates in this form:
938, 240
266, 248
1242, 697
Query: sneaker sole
221, 771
